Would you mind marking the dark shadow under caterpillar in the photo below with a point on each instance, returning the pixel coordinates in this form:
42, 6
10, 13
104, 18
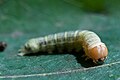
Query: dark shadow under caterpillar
71, 41
79, 57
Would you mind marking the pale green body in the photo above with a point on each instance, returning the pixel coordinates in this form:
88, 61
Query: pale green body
68, 41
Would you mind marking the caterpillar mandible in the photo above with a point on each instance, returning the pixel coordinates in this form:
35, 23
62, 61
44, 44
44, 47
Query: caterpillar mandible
77, 40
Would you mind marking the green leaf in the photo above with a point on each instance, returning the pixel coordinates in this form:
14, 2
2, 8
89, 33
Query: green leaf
21, 20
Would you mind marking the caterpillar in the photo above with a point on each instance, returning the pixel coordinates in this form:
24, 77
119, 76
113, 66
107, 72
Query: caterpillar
72, 40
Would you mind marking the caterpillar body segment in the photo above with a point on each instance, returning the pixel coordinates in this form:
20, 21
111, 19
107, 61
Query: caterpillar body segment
71, 40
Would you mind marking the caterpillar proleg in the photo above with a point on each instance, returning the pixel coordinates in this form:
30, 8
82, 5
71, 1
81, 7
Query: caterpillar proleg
77, 40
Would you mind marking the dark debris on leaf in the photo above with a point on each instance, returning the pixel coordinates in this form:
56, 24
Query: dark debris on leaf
3, 45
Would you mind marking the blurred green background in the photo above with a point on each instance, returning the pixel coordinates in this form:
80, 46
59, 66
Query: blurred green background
21, 20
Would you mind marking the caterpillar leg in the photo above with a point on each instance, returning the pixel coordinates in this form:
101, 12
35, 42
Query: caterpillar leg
86, 57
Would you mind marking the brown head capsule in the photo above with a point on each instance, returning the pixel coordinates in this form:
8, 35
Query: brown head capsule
98, 53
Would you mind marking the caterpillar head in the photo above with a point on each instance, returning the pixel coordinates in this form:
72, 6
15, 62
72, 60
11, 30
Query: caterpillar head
98, 53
